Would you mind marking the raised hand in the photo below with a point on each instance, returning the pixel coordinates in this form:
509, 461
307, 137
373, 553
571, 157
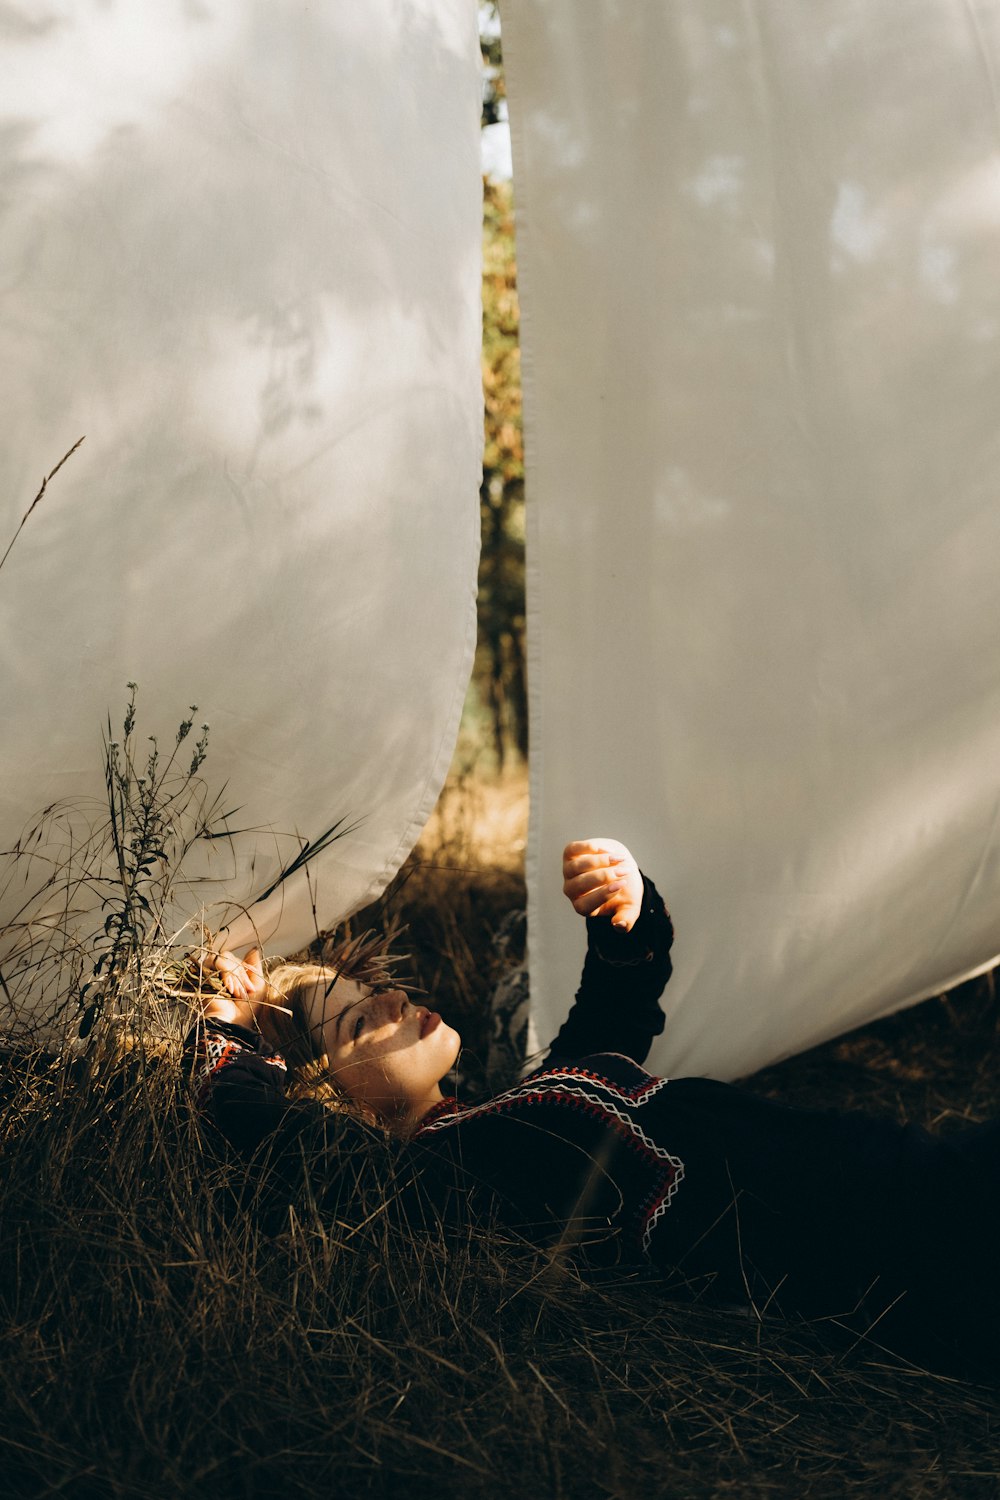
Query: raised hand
601, 879
244, 980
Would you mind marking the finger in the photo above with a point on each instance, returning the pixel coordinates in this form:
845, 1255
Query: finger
594, 902
582, 847
599, 848
622, 912
237, 983
591, 880
611, 896
253, 966
584, 862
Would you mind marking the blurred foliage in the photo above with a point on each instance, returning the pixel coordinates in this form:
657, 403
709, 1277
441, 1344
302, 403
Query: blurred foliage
493, 80
499, 688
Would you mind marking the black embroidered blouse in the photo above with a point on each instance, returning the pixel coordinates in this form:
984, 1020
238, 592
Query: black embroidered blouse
811, 1212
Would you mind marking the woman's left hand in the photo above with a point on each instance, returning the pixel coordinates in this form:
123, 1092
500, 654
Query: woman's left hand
602, 879
244, 980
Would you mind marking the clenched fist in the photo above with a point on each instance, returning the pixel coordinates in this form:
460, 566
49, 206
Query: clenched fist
601, 879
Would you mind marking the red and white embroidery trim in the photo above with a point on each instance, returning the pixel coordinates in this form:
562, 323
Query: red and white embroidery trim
215, 1051
650, 1083
661, 1203
561, 1086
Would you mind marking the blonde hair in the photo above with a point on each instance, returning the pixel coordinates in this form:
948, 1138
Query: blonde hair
298, 1037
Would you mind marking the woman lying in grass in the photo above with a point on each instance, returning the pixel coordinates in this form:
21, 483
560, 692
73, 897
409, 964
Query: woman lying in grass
878, 1226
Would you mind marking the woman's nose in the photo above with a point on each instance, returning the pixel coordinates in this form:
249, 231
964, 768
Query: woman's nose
393, 1002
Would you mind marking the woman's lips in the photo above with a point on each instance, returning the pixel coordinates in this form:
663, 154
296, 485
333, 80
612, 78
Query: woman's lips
429, 1022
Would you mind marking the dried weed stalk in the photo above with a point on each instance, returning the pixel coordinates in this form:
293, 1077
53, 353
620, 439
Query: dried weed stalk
178, 1322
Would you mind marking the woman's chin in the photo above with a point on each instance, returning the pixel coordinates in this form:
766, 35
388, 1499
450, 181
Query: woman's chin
455, 1042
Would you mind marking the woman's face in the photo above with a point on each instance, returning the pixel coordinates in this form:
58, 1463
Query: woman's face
384, 1051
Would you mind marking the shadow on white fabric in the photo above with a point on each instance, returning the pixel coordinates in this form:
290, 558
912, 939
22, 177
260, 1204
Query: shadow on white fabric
757, 254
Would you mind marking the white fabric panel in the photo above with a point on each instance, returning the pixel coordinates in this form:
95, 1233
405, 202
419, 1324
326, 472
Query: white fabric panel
761, 323
240, 251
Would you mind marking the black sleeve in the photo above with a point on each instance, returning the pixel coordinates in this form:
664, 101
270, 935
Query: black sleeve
239, 1082
617, 1005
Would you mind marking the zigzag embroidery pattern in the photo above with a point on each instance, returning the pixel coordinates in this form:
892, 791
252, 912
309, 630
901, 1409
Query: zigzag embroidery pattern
561, 1086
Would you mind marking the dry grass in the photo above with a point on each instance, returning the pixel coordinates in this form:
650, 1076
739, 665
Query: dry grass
171, 1328
480, 822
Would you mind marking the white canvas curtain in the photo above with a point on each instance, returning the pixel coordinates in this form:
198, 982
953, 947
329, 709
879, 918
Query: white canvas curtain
758, 251
239, 250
